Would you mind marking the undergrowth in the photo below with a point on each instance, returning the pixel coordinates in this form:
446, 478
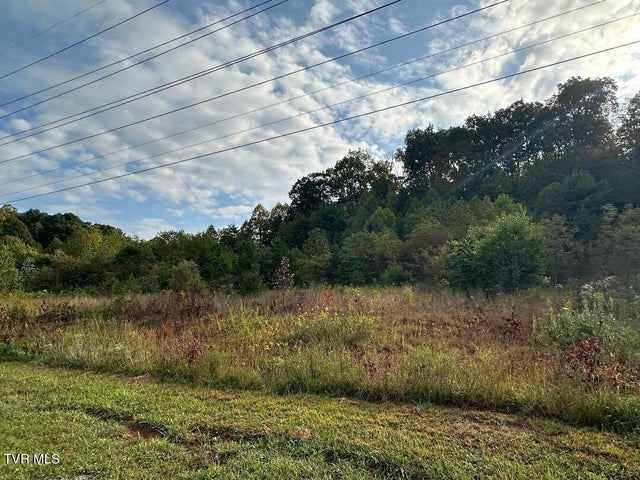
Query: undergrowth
577, 364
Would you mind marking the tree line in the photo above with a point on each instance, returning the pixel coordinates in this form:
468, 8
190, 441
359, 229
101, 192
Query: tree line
535, 192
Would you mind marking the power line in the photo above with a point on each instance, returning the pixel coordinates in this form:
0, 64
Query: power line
69, 80
333, 122
157, 89
324, 107
152, 91
97, 157
234, 91
82, 41
51, 27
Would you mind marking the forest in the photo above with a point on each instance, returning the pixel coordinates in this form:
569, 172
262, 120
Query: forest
535, 193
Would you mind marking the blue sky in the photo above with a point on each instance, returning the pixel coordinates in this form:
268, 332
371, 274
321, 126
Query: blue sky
223, 189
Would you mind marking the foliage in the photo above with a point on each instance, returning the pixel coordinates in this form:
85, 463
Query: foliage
590, 332
283, 276
505, 256
363, 222
398, 344
185, 277
9, 275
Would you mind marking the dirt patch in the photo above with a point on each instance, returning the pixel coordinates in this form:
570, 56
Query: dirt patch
137, 429
143, 430
226, 434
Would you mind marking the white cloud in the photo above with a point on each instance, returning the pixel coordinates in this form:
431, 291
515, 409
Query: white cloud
148, 228
265, 172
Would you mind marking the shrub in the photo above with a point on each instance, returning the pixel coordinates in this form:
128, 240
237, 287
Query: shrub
506, 256
185, 277
594, 322
568, 326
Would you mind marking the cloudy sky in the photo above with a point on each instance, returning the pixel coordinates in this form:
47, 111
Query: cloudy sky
43, 140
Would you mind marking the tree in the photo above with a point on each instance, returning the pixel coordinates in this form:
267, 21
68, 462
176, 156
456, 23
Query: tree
11, 225
259, 225
580, 113
350, 177
282, 278
185, 277
44, 228
355, 261
134, 260
9, 275
309, 193
382, 218
629, 130
562, 247
505, 256
421, 249
425, 159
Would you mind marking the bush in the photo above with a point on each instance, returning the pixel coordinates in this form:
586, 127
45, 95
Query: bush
185, 277
9, 275
506, 256
595, 323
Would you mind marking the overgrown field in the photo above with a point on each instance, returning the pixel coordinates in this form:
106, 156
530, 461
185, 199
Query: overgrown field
109, 427
530, 352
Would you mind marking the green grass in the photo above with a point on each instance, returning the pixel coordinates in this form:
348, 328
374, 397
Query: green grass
108, 427
393, 344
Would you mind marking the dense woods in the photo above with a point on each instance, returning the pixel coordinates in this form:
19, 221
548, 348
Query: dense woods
531, 193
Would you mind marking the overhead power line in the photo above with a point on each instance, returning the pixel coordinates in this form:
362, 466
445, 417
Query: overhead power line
83, 40
152, 91
77, 77
410, 82
234, 91
368, 75
51, 27
333, 122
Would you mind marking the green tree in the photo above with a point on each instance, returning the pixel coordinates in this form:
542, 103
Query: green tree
9, 275
422, 247
11, 225
505, 256
382, 218
185, 277
629, 130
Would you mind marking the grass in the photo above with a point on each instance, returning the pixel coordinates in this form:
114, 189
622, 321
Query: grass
108, 427
394, 344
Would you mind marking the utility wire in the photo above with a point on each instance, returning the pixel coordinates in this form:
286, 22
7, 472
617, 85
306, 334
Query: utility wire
157, 89
51, 27
124, 60
299, 96
333, 122
82, 41
227, 93
152, 91
97, 157
361, 97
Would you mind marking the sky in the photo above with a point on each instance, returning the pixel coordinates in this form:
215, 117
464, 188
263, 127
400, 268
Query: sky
250, 96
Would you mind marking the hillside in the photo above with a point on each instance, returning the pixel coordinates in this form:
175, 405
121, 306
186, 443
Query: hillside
532, 193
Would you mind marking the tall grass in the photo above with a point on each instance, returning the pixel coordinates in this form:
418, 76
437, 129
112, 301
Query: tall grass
379, 344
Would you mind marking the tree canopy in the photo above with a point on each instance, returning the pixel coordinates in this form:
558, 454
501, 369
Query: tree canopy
532, 190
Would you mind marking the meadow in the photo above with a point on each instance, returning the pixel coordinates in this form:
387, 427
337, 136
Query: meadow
544, 352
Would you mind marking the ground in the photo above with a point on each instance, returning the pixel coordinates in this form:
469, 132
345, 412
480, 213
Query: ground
103, 426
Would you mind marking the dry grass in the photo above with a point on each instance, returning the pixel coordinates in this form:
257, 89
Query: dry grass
397, 344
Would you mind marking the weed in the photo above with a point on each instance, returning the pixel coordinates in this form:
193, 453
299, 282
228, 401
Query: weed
395, 343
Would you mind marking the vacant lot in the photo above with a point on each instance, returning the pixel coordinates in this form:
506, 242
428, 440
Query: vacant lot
526, 369
106, 426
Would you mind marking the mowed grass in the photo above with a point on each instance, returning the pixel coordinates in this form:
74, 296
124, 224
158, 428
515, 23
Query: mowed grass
109, 427
394, 344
